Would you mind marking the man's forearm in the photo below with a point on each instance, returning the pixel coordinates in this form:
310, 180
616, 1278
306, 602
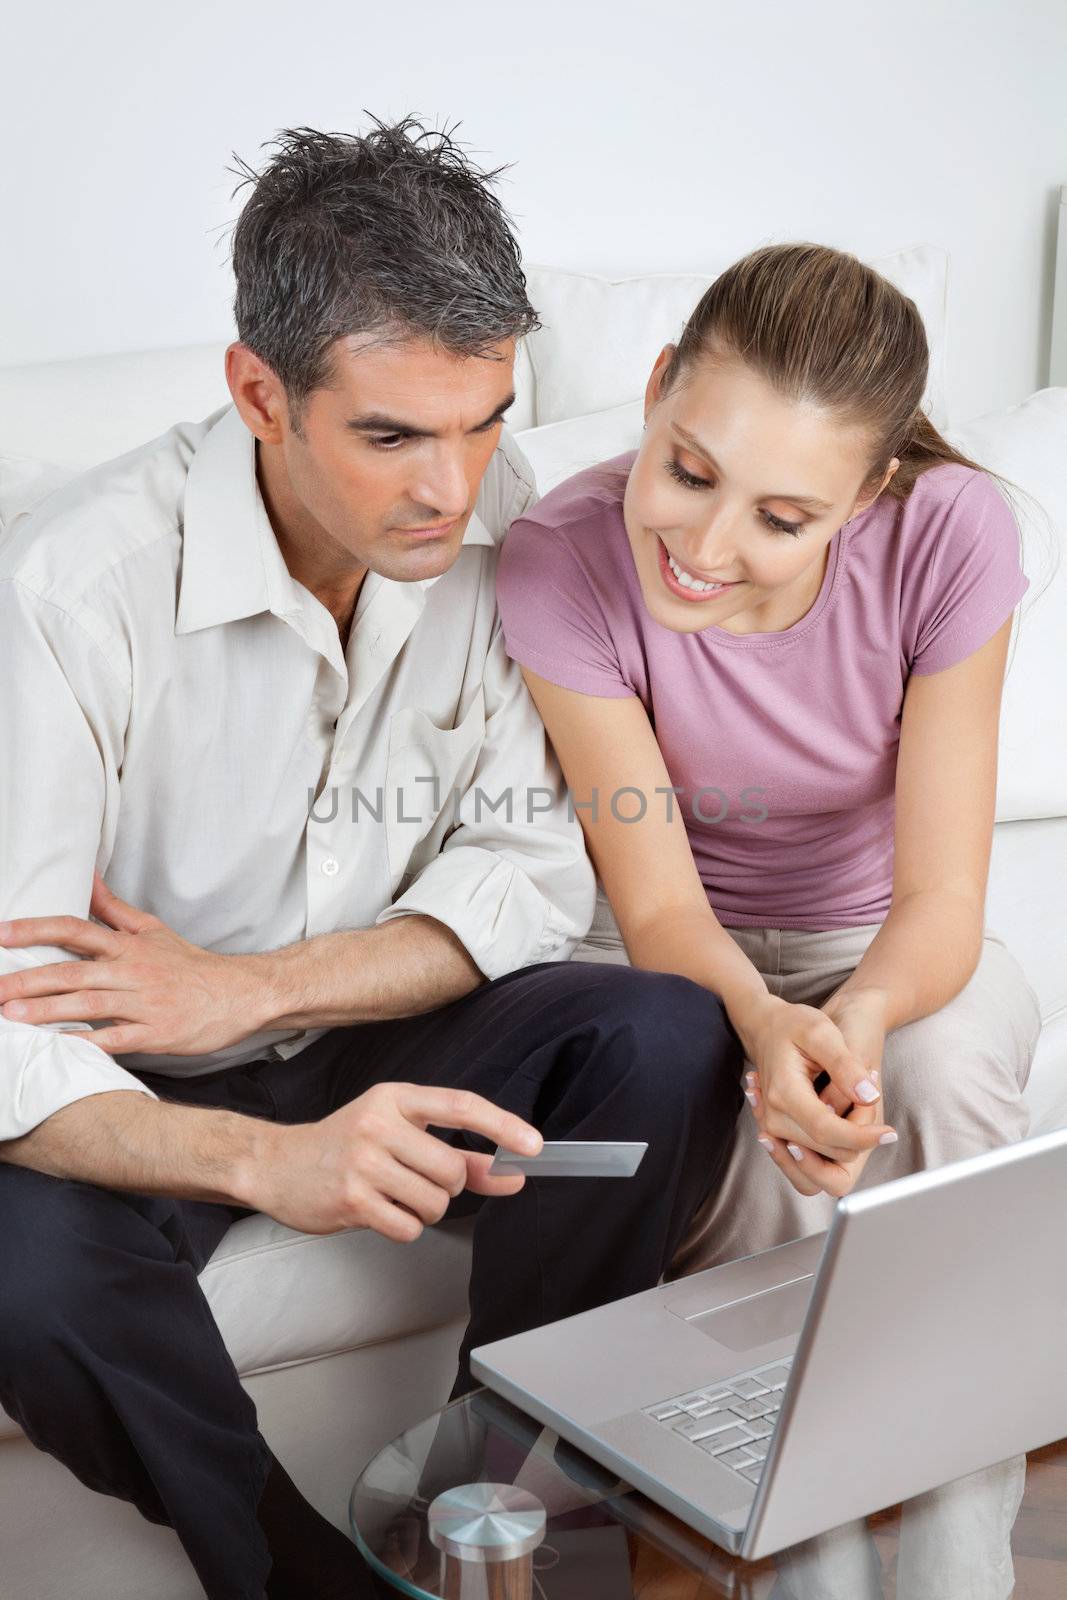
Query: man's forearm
125, 1140
404, 967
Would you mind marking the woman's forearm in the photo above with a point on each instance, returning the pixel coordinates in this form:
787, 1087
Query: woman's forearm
921, 957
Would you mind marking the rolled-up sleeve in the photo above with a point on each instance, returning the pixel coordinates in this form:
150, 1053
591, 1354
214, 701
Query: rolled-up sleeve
513, 880
63, 711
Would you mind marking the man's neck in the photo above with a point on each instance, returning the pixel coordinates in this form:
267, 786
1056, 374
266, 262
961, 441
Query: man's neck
311, 557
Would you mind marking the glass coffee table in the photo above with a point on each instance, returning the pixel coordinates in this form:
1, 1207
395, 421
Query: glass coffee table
479, 1502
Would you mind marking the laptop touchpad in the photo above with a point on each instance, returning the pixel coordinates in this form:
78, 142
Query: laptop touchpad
762, 1318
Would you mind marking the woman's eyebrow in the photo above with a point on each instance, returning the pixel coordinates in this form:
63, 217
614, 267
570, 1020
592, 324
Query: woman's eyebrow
702, 450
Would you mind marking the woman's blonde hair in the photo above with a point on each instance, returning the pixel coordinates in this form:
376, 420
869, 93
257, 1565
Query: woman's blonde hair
822, 327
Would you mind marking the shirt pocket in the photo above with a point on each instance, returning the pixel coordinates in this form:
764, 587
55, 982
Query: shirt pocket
427, 767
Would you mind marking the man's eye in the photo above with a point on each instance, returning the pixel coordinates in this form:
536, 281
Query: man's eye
388, 441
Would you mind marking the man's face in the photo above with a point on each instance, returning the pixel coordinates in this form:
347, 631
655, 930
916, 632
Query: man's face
389, 457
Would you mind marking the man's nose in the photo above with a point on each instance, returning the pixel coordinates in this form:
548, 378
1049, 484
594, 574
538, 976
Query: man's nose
442, 486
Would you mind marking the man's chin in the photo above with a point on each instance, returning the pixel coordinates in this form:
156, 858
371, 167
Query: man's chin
429, 558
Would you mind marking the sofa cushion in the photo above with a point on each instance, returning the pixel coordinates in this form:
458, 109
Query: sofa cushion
1027, 444
280, 1296
558, 450
601, 335
1025, 905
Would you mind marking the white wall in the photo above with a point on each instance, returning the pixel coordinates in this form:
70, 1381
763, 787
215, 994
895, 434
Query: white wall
660, 136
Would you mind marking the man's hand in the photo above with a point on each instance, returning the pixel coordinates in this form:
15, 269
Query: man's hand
159, 994
372, 1164
821, 1141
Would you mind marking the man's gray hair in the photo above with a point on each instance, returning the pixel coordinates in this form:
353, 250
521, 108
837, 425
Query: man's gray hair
392, 232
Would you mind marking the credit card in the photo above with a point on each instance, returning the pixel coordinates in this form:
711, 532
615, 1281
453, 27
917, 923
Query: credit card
572, 1158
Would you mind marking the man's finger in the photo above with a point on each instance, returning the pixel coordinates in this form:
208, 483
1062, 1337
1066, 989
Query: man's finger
423, 1152
411, 1190
87, 1005
55, 977
460, 1108
124, 1039
118, 913
392, 1221
479, 1181
68, 933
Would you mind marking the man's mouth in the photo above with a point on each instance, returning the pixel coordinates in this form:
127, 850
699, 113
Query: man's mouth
440, 531
685, 584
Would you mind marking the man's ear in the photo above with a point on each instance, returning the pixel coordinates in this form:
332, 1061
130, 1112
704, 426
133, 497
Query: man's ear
654, 386
257, 393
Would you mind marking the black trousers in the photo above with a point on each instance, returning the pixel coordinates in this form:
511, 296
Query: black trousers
110, 1358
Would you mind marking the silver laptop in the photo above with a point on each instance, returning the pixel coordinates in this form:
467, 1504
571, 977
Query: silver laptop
923, 1337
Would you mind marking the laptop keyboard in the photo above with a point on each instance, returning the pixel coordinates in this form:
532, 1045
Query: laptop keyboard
732, 1420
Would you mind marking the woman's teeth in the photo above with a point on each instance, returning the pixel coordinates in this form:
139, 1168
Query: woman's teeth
687, 580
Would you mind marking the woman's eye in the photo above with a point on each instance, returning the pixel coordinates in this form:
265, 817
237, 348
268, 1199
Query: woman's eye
690, 481
680, 475
795, 529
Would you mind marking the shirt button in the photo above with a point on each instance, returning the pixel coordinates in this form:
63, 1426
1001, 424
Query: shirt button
330, 867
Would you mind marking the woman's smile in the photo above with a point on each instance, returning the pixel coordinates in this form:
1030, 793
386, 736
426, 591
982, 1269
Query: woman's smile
683, 582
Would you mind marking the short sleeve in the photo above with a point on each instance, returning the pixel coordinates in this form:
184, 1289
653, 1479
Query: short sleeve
974, 581
552, 619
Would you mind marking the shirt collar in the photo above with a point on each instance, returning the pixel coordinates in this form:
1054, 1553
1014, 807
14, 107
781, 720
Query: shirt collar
232, 565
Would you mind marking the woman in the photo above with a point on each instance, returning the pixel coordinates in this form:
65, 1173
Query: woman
781, 628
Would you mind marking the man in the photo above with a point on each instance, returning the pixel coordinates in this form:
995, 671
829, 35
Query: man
252, 672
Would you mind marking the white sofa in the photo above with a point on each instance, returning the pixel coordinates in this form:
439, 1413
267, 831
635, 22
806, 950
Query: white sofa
343, 1341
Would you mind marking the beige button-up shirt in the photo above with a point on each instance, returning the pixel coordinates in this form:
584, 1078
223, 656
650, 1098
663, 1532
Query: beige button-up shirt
176, 711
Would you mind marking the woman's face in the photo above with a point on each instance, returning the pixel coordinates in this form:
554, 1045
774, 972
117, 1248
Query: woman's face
734, 498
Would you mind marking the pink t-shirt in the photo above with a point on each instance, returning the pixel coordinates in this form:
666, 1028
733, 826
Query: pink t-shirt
783, 745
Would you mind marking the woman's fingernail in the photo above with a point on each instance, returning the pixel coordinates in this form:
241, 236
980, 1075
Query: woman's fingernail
750, 1097
14, 1008
875, 1075
888, 1138
750, 1079
866, 1091
795, 1151
768, 1144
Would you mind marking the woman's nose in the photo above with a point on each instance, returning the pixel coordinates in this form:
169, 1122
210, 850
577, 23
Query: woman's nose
714, 548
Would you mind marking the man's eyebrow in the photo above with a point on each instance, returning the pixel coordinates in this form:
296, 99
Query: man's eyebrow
376, 422
702, 450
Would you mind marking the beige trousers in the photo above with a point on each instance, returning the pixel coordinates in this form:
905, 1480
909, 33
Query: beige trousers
953, 1086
